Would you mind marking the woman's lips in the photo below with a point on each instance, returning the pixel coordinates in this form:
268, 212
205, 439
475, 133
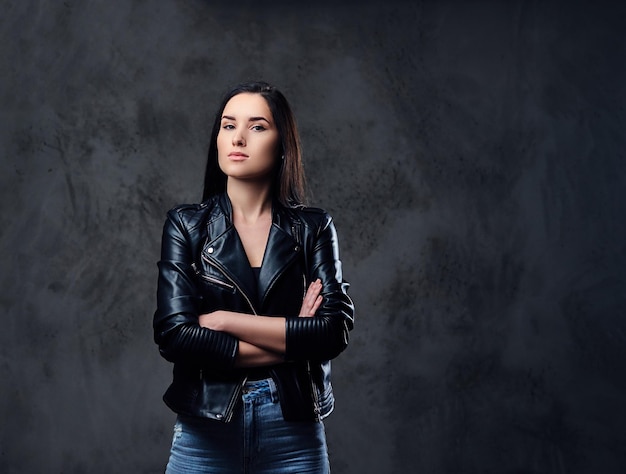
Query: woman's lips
237, 156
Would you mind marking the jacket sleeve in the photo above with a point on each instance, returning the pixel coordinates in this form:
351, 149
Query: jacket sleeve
324, 336
176, 330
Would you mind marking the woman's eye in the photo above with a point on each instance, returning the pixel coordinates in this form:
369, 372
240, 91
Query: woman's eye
258, 128
228, 126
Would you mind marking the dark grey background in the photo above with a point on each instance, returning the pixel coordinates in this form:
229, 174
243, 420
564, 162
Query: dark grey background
472, 154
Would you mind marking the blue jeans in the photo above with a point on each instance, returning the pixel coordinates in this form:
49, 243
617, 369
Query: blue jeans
256, 440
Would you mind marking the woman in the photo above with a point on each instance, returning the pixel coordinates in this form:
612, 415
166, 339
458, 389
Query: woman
251, 302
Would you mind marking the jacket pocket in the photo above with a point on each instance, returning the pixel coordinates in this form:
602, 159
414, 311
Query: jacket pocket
216, 281
212, 279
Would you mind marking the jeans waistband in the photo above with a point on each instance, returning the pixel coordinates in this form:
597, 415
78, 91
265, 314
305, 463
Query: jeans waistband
258, 389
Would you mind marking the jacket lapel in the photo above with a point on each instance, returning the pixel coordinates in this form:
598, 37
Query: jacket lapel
281, 250
225, 251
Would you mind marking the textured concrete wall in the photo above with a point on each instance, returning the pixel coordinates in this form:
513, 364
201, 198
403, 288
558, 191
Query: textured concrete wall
472, 153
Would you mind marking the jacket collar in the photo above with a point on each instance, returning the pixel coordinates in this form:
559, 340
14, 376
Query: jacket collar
224, 249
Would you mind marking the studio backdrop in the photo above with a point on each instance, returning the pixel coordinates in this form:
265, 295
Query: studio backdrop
472, 154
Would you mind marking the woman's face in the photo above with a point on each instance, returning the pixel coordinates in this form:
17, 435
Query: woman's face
248, 140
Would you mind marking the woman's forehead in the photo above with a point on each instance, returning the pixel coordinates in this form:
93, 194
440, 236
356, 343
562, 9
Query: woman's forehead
246, 105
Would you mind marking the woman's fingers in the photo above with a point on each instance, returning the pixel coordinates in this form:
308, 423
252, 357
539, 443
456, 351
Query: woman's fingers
312, 299
316, 304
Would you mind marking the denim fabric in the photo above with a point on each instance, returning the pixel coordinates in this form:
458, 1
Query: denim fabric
256, 441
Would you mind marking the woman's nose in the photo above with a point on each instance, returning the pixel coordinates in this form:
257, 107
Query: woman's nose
238, 139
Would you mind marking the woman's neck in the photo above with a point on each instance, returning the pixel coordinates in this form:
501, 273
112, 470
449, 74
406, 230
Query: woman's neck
250, 201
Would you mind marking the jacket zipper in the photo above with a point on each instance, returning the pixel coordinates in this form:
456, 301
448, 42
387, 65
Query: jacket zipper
234, 283
216, 281
314, 396
230, 408
227, 416
211, 279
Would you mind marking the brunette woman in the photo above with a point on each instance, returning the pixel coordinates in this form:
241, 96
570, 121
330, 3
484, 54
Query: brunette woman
251, 302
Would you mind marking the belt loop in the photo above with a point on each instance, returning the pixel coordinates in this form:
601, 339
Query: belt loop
273, 389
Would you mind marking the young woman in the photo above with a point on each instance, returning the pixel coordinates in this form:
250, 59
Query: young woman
251, 303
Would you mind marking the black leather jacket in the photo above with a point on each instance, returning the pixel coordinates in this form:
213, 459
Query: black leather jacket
204, 268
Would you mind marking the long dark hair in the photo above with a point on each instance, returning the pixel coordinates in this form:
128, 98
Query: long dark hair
289, 182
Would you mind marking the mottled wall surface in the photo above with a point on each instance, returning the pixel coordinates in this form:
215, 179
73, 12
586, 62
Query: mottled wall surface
472, 154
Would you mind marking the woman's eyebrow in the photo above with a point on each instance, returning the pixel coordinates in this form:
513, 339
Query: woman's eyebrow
251, 119
256, 119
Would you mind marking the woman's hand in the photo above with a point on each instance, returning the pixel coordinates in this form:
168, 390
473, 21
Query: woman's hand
312, 300
214, 320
